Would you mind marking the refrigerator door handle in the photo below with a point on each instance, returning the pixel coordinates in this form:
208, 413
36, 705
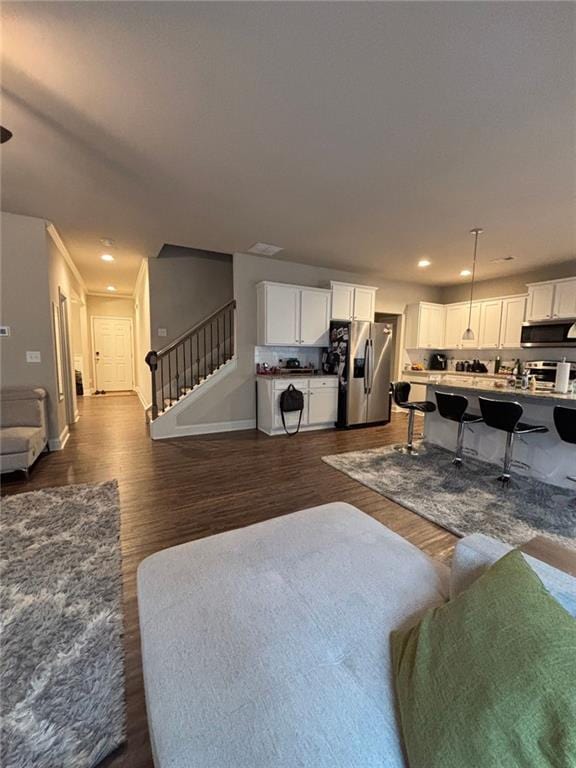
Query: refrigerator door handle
366, 365
371, 367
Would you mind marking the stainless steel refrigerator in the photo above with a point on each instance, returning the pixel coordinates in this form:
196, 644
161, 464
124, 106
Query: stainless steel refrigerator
363, 353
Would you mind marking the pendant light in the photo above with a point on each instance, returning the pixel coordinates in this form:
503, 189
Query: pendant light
468, 334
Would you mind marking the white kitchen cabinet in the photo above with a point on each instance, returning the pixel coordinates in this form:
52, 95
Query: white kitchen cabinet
425, 326
456, 320
554, 299
540, 301
564, 299
472, 318
314, 317
490, 323
342, 301
353, 302
292, 315
320, 403
513, 313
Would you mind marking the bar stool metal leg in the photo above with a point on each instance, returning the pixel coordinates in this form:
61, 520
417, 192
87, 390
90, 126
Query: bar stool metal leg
409, 447
505, 476
457, 460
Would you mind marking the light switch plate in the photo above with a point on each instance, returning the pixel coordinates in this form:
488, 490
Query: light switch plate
33, 357
162, 332
4, 330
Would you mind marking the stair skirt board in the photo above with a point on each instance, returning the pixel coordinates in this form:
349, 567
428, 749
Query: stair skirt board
170, 402
190, 430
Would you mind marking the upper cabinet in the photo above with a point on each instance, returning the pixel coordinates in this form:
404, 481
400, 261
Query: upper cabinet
513, 314
292, 315
555, 299
425, 326
490, 323
353, 302
495, 323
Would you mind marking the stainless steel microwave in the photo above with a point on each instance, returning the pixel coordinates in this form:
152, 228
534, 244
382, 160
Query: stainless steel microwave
549, 333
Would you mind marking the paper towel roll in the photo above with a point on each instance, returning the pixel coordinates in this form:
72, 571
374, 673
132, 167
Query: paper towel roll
562, 377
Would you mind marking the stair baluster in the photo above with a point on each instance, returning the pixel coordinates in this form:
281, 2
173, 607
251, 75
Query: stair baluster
201, 352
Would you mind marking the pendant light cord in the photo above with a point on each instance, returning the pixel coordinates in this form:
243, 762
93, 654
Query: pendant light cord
476, 233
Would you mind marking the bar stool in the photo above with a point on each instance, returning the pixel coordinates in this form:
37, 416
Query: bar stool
454, 407
565, 423
505, 415
401, 393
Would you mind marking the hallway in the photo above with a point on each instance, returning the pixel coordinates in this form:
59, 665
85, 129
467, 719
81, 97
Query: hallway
176, 490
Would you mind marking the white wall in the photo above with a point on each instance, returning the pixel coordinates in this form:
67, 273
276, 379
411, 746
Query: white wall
233, 399
142, 340
33, 272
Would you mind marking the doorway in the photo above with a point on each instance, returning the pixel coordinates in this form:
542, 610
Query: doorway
113, 360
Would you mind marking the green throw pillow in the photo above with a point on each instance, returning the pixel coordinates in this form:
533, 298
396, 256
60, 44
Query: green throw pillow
488, 680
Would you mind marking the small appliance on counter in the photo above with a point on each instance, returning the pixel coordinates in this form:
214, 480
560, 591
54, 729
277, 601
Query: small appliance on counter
546, 371
292, 363
438, 362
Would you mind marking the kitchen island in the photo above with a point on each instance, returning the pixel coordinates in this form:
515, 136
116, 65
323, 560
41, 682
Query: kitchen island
549, 459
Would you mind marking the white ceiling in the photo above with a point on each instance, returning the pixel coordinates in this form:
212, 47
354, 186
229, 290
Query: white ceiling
355, 135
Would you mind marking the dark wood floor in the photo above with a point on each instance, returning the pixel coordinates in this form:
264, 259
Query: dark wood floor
173, 491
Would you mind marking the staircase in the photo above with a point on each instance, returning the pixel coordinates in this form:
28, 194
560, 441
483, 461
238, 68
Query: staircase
192, 359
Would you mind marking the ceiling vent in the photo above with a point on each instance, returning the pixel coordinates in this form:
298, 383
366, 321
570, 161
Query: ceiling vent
264, 249
503, 258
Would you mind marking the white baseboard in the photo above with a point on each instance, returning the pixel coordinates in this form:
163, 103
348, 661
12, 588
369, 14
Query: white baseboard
189, 430
59, 443
143, 402
76, 415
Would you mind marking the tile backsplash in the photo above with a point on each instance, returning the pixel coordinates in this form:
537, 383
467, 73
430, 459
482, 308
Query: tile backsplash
277, 356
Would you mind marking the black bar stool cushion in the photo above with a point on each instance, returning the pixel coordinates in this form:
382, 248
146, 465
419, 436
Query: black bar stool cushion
565, 423
401, 393
453, 407
505, 415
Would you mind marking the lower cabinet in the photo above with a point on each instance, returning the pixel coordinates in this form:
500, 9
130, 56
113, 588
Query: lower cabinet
320, 403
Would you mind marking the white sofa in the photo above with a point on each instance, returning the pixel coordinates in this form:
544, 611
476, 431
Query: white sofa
268, 646
23, 427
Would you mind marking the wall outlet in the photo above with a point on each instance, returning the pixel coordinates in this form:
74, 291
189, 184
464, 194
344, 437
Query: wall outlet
4, 330
162, 332
33, 357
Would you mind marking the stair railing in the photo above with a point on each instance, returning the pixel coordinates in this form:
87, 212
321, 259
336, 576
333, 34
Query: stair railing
185, 362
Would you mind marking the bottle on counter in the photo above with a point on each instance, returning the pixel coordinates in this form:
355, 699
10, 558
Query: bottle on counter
525, 382
497, 364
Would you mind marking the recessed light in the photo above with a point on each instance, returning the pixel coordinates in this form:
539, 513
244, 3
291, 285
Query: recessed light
107, 257
264, 249
465, 273
424, 263
111, 288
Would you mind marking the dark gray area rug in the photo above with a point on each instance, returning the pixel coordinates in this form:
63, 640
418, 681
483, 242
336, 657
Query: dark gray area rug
469, 500
62, 661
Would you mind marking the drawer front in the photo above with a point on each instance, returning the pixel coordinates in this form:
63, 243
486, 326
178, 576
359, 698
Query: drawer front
324, 383
281, 384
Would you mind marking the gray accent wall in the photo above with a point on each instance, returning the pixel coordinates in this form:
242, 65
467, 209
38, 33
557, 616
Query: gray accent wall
233, 399
184, 289
508, 285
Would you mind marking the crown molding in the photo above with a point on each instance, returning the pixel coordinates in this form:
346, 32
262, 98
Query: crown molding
58, 242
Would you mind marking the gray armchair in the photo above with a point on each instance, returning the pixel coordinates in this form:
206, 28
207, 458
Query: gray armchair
23, 427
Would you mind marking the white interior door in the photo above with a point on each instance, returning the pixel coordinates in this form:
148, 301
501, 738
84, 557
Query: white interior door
113, 353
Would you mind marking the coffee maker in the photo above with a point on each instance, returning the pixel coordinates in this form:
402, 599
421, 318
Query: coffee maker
438, 362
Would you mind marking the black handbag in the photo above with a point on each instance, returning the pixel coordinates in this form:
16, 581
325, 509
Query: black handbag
291, 400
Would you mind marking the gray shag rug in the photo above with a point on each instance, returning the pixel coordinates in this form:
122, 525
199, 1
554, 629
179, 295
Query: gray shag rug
468, 500
62, 661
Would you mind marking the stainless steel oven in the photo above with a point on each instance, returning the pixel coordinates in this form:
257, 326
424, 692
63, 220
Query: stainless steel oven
549, 333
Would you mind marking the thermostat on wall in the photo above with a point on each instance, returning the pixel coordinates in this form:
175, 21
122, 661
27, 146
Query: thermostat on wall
4, 330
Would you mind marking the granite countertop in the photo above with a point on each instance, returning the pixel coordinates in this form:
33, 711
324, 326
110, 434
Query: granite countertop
429, 372
517, 394
297, 375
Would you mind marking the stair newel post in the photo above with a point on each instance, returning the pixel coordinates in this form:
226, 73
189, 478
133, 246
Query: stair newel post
152, 362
